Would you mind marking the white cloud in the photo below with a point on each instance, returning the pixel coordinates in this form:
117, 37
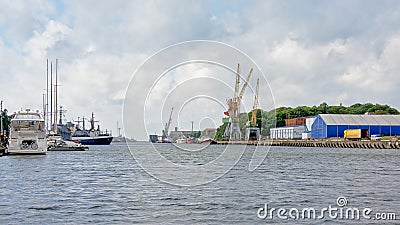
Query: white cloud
37, 46
332, 51
377, 74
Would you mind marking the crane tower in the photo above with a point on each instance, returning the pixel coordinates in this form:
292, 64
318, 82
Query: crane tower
253, 131
166, 128
255, 106
232, 130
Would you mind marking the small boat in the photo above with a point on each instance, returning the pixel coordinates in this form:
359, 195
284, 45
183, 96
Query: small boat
62, 145
27, 134
208, 141
2, 151
181, 141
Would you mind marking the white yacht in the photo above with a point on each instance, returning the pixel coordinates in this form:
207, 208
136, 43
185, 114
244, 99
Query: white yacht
27, 134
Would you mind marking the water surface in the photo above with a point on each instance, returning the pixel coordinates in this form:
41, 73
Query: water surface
105, 185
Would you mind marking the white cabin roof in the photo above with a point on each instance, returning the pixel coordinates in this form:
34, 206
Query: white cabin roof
27, 117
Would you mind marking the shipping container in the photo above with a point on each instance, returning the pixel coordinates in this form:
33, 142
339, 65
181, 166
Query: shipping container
295, 121
355, 134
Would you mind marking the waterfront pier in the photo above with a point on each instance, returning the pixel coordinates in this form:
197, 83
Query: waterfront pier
321, 143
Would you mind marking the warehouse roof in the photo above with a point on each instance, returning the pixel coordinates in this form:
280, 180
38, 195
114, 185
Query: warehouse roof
370, 120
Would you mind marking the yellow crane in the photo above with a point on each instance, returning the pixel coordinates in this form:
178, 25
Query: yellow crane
253, 132
255, 106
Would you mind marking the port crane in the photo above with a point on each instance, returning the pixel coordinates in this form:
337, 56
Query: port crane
164, 137
255, 106
253, 131
232, 130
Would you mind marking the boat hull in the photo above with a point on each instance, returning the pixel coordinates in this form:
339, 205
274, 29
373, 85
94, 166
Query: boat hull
26, 152
208, 142
38, 146
62, 148
93, 140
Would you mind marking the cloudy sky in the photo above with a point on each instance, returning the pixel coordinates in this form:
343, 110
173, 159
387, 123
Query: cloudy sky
310, 52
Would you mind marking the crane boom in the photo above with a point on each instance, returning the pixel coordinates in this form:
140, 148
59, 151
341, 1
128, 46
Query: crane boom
245, 85
255, 106
237, 82
169, 121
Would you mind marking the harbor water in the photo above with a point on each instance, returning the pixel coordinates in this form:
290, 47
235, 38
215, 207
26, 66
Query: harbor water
105, 185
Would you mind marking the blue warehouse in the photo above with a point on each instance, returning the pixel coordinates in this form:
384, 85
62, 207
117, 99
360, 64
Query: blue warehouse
334, 125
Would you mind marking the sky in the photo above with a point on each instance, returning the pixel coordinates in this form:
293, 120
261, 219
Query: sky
305, 52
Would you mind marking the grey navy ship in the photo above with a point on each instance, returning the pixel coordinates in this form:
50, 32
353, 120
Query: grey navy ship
92, 136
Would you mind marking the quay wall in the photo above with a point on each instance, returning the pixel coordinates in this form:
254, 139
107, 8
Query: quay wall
321, 143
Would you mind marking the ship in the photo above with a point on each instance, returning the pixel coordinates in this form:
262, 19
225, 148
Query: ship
153, 138
93, 136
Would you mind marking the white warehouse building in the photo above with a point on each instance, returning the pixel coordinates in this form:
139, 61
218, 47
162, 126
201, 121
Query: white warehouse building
288, 132
309, 122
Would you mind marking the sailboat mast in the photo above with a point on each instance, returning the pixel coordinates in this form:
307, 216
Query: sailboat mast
55, 101
46, 111
44, 106
51, 95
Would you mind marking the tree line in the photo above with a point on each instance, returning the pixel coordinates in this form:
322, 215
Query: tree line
6, 122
